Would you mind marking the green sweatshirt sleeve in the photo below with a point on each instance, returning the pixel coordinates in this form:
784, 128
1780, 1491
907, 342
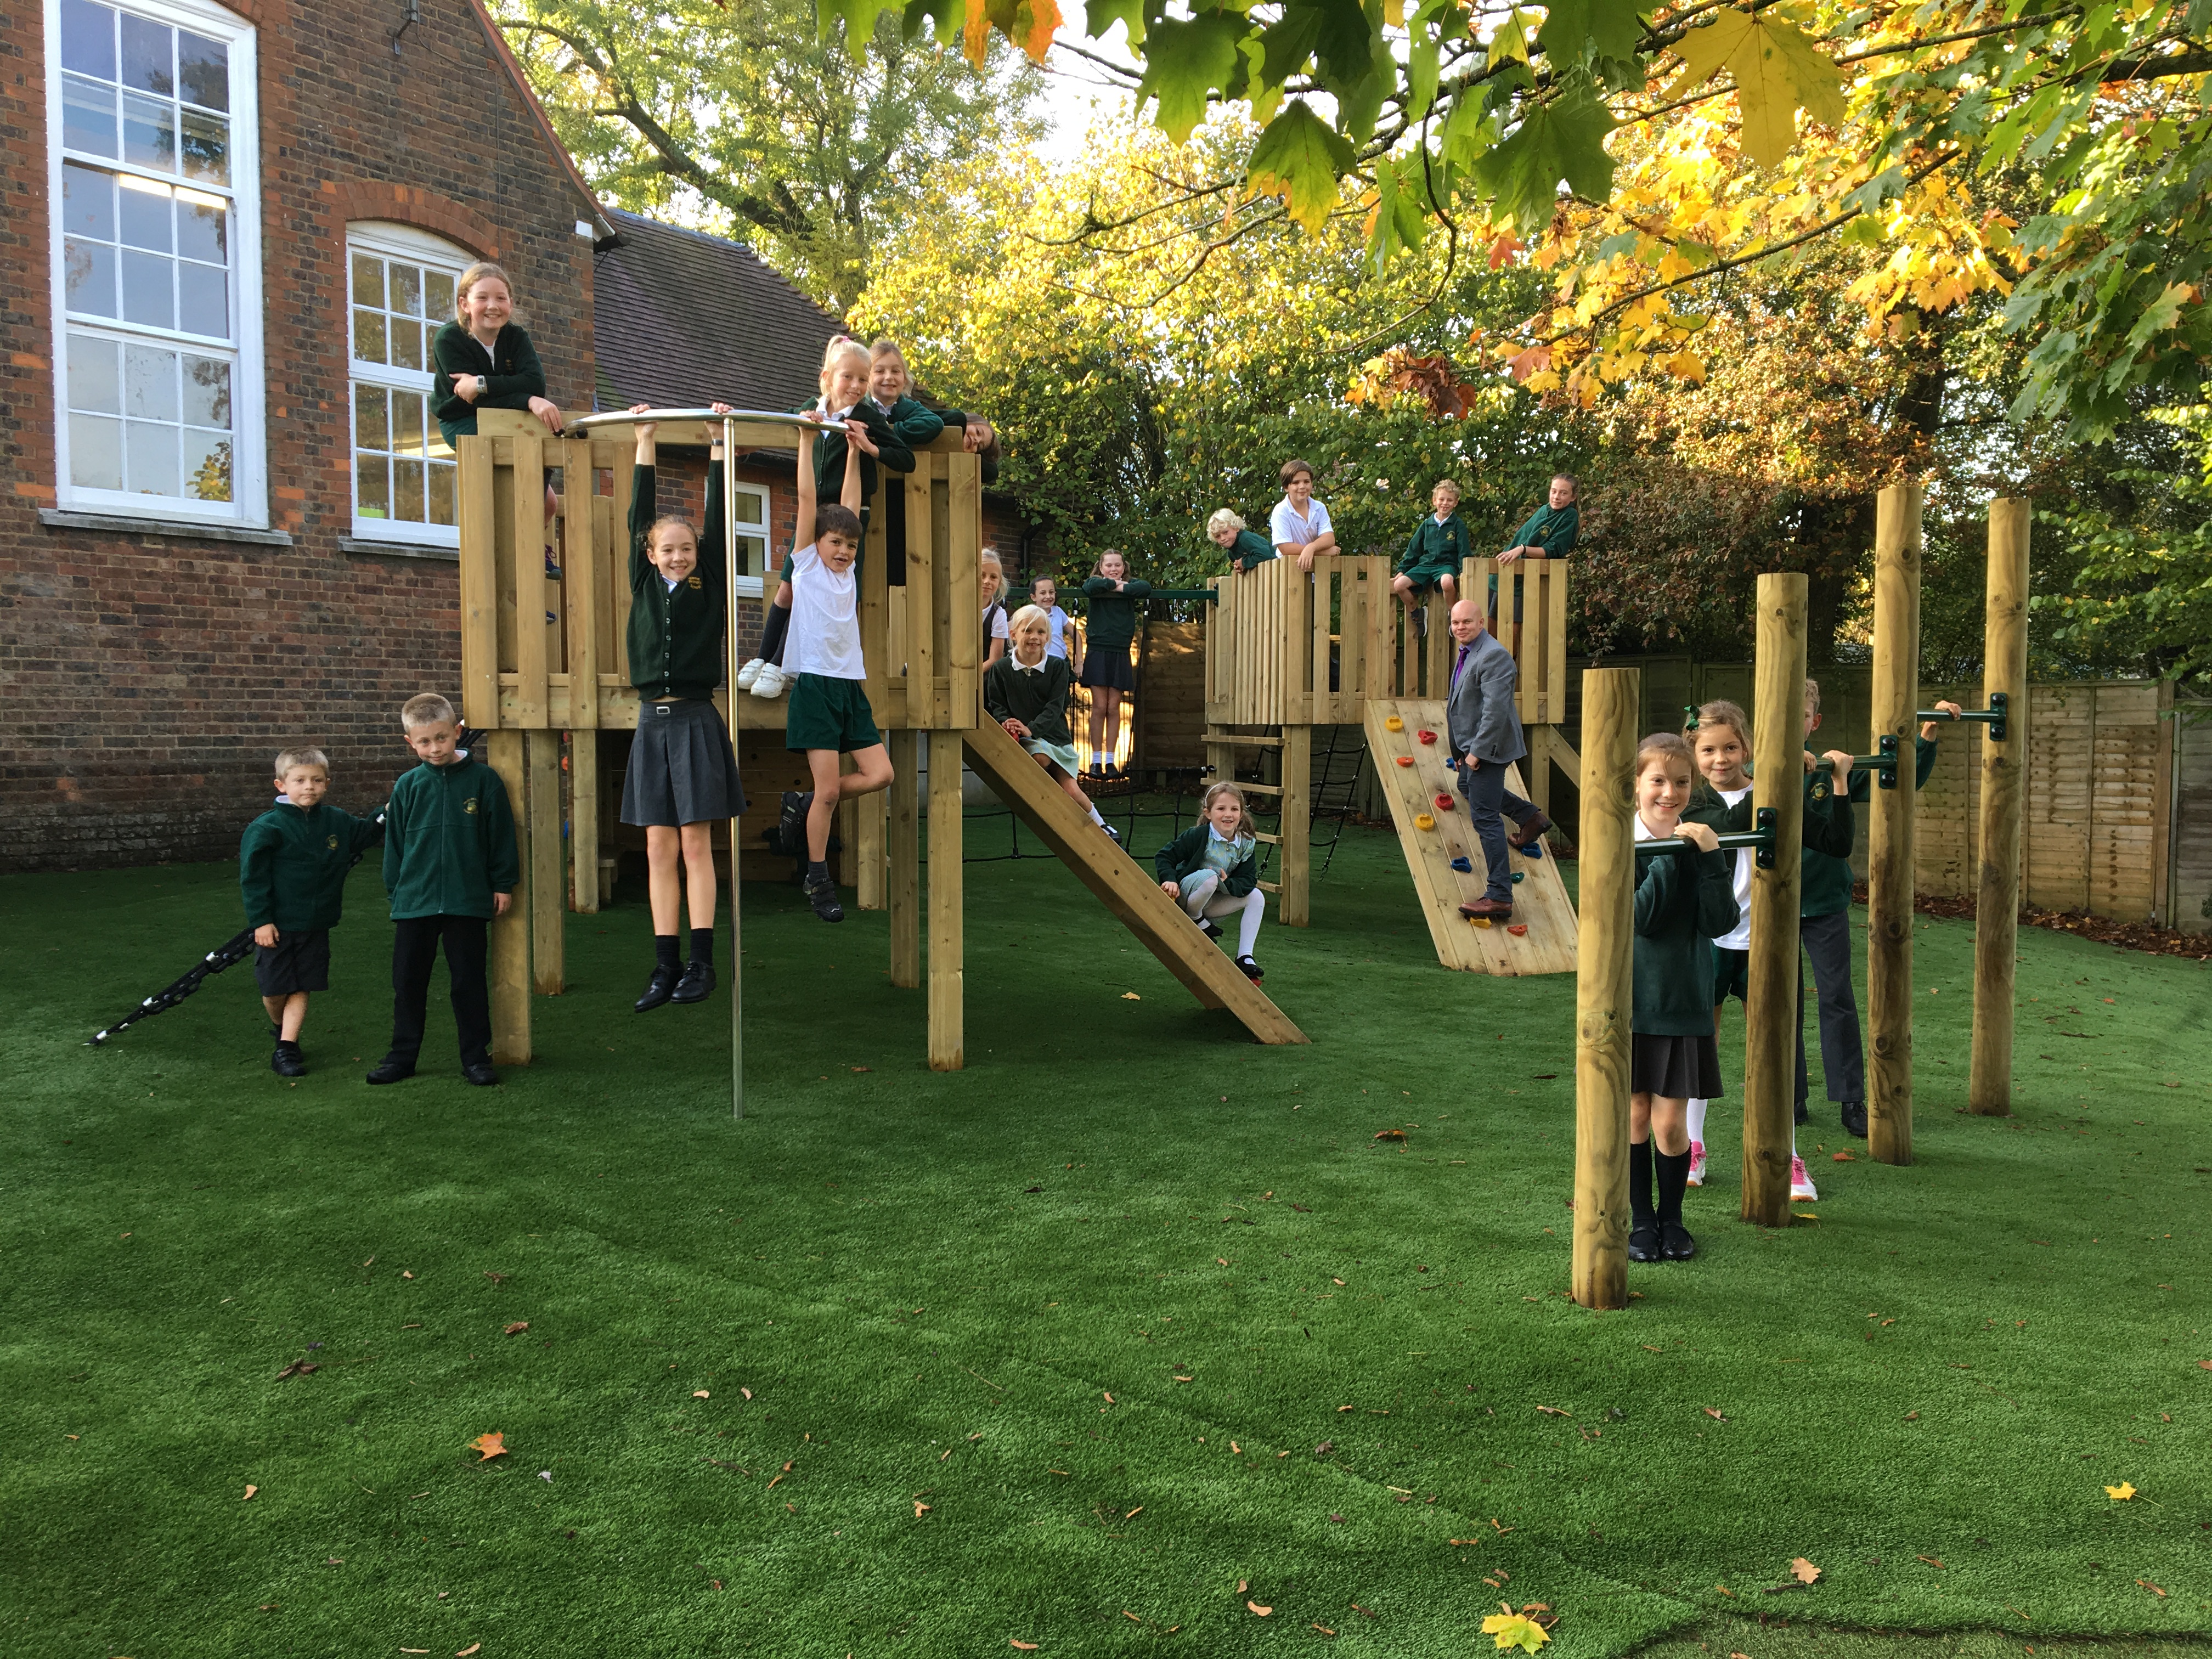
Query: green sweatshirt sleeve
1412, 555
1560, 533
395, 836
1923, 761
1244, 877
1830, 824
643, 508
1655, 893
712, 569
915, 424
516, 390
1717, 906
257, 873
1134, 589
1170, 862
502, 863
994, 691
361, 834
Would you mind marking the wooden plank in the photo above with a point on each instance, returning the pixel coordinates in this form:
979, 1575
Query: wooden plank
1605, 987
922, 579
964, 548
947, 1015
583, 555
543, 846
525, 550
2003, 777
584, 817
903, 840
870, 890
479, 586
1127, 889
609, 595
508, 967
1296, 825
1896, 690
1772, 975
877, 654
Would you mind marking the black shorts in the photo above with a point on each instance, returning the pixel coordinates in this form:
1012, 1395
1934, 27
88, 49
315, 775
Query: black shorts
1731, 974
1109, 669
296, 961
1678, 1067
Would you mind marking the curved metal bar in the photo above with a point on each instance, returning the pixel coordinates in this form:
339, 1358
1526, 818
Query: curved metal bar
625, 417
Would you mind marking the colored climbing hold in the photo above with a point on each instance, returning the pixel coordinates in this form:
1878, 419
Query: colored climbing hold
1518, 929
1405, 760
1478, 921
1392, 723
1423, 821
1519, 874
1467, 869
1443, 803
1426, 737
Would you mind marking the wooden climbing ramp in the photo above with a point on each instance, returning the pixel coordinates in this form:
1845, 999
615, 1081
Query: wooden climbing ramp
1539, 897
1126, 889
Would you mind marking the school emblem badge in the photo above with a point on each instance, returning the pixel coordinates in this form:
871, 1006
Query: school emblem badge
696, 582
332, 843
469, 807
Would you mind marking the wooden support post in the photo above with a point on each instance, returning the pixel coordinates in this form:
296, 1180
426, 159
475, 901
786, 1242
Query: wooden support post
583, 554
870, 827
904, 846
1605, 986
1294, 908
947, 1039
479, 586
541, 845
525, 547
509, 966
1770, 1049
584, 816
2004, 780
1895, 692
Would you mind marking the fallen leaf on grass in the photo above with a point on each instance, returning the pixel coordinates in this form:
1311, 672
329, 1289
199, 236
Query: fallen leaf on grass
1221, 1261
921, 1509
1021, 1646
250, 1491
1324, 1448
1803, 1570
497, 1278
2152, 1587
1108, 1398
748, 1393
1516, 1629
1930, 1559
864, 1068
490, 1445
516, 1328
1323, 1629
1131, 1617
1845, 1157
1139, 1509
700, 1393
2121, 1493
1302, 1209
1912, 1416
1389, 1134
1724, 1590
1235, 1449
1717, 1416
1186, 1379
464, 1652
1256, 1608
1553, 1410
298, 1368
1131, 996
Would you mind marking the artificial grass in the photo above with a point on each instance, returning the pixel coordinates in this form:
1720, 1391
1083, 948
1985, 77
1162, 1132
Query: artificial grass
931, 1285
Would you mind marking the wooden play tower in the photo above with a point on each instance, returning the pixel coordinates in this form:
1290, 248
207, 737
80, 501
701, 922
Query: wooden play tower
542, 672
1286, 651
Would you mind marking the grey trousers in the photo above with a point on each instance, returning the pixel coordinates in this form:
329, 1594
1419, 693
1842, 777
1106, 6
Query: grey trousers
1827, 942
1488, 802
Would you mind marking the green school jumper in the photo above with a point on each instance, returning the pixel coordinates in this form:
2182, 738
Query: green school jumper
1825, 886
1250, 550
1435, 549
676, 634
1038, 701
1551, 528
292, 865
511, 365
1110, 618
1684, 901
448, 841
1185, 856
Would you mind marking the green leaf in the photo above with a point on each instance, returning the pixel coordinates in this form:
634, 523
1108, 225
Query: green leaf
859, 17
1183, 63
1510, 39
944, 16
1563, 140
1401, 209
1099, 15
1299, 158
1610, 29
1778, 70
1266, 97
1421, 67
1468, 131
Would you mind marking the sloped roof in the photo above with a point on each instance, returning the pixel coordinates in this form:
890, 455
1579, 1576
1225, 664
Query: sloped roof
681, 318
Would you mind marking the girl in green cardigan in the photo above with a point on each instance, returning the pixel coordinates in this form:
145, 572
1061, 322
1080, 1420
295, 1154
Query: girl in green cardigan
1213, 870
484, 359
683, 773
1109, 624
1684, 901
1026, 692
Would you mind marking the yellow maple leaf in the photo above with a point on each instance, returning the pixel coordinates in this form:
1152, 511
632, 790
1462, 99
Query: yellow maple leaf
1777, 72
1516, 1629
1803, 1570
489, 1445
2122, 1492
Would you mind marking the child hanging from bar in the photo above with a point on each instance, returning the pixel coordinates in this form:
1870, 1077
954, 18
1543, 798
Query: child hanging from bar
1720, 739
1212, 870
1433, 555
682, 776
828, 713
1684, 901
844, 396
1108, 629
1026, 692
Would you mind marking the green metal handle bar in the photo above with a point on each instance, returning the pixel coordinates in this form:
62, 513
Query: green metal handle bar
1761, 841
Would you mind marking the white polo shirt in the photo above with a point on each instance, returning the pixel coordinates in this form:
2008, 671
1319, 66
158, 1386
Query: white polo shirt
825, 618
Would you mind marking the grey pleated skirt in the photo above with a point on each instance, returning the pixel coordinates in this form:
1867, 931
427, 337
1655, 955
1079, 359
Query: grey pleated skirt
681, 767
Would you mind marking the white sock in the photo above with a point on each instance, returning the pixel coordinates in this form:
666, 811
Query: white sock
1793, 1143
1095, 819
1248, 932
1098, 757
1697, 1120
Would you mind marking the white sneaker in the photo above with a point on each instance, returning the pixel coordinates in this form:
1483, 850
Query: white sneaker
1697, 1164
751, 672
1801, 1184
769, 682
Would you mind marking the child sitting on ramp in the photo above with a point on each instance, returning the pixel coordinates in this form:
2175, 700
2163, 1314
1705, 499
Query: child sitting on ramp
1212, 870
1026, 692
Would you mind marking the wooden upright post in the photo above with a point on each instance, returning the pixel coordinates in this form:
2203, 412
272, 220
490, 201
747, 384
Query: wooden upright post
1770, 1003
1605, 987
869, 814
2004, 778
542, 849
903, 845
1895, 690
581, 583
510, 934
947, 1036
1296, 906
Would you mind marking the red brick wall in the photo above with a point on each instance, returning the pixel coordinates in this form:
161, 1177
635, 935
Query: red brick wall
148, 679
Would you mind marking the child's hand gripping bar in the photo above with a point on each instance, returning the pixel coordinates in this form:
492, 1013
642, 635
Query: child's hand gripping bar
1996, 716
1759, 840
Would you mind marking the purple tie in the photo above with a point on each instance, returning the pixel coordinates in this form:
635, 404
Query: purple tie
1460, 662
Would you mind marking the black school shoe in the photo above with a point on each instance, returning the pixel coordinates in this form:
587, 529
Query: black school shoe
1643, 1241
393, 1070
1211, 930
479, 1073
698, 981
658, 989
822, 895
1675, 1244
1251, 970
790, 823
1854, 1123
286, 1062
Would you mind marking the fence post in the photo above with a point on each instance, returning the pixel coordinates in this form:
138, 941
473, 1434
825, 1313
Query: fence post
1769, 1046
2004, 784
1895, 690
1605, 987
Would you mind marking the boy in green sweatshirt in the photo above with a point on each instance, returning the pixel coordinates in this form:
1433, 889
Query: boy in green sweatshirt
292, 865
451, 864
1433, 554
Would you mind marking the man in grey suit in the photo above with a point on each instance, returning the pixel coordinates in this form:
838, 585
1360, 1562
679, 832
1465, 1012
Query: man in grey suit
1485, 730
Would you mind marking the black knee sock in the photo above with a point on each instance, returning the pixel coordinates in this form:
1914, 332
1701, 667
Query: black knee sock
1673, 1170
703, 945
818, 869
1640, 1213
663, 951
772, 632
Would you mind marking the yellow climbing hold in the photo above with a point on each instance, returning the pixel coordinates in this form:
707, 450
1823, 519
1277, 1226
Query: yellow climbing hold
1423, 821
1392, 723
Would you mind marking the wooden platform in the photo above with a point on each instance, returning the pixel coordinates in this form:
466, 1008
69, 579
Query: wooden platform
1126, 888
1539, 897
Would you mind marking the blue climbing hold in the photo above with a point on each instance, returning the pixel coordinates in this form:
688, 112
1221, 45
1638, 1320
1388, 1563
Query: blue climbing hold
1463, 866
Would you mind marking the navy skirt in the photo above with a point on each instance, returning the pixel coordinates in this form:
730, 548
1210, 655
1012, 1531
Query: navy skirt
682, 769
1677, 1068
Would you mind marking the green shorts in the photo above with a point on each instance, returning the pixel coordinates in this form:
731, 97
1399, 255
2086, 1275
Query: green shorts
829, 714
1731, 974
1425, 576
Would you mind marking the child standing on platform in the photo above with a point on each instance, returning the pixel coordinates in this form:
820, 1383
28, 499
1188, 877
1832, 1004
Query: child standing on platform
682, 776
1026, 692
991, 578
485, 358
891, 387
1213, 870
828, 711
1434, 553
450, 865
1107, 632
1299, 525
1044, 594
292, 865
1683, 900
1246, 552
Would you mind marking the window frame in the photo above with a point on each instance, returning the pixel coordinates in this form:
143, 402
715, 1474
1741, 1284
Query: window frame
387, 239
248, 506
752, 587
